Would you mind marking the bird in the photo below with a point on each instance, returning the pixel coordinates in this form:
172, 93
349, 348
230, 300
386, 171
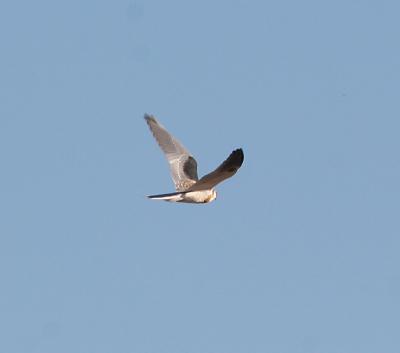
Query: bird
183, 167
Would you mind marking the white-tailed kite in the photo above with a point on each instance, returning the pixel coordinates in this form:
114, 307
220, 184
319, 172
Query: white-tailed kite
189, 188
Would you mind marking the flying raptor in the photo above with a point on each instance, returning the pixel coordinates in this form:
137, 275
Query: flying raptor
189, 188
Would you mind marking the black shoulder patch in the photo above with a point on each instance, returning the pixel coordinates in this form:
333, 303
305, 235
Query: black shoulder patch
190, 168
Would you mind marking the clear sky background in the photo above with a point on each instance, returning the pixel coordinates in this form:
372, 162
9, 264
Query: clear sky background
299, 253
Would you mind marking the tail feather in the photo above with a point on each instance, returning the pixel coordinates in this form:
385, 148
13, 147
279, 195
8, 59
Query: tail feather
173, 197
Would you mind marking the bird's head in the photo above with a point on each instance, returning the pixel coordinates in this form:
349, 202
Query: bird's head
212, 197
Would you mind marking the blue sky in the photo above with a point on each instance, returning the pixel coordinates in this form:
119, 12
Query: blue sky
299, 253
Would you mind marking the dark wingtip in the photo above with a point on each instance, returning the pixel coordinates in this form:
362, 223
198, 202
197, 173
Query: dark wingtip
149, 117
238, 156
234, 161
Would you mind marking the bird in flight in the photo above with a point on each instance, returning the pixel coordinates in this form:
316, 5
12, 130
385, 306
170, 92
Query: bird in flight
183, 167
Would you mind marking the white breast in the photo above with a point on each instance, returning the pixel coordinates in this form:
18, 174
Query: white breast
202, 196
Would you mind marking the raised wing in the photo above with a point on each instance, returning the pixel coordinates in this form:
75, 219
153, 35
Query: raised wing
227, 169
181, 163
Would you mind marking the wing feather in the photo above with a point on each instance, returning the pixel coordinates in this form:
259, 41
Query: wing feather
226, 170
182, 164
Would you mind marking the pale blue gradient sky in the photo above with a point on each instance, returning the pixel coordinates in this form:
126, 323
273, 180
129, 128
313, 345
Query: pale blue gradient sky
300, 252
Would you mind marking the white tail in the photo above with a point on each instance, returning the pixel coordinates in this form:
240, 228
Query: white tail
173, 197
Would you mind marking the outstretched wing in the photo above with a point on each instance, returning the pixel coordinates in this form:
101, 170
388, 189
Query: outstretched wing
181, 163
227, 169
